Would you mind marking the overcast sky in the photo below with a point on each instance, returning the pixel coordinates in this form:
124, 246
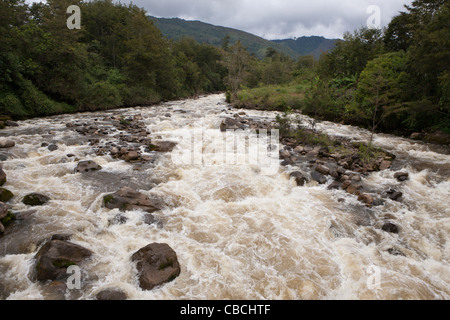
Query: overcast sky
277, 19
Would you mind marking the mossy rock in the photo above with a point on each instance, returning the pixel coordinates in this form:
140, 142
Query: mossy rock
5, 195
10, 218
35, 199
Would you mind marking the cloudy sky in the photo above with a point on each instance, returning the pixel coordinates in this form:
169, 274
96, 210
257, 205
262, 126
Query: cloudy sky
277, 19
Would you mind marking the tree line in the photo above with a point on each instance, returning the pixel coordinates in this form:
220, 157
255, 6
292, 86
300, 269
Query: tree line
118, 58
395, 79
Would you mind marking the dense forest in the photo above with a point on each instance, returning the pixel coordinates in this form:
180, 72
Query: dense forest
396, 79
117, 58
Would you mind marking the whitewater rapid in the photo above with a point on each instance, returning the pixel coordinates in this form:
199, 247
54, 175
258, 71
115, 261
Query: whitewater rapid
238, 234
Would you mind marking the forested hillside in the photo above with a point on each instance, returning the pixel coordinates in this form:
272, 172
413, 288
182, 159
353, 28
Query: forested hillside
117, 58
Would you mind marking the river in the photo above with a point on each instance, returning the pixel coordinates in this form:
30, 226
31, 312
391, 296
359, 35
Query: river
238, 234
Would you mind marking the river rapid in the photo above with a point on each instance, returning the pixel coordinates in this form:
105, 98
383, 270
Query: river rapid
238, 234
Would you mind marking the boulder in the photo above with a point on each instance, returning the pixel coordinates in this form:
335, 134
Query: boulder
35, 199
230, 124
157, 264
111, 294
393, 195
334, 185
127, 199
52, 147
401, 176
320, 178
366, 198
162, 146
131, 156
4, 144
53, 259
284, 154
300, 179
2, 176
323, 169
5, 195
390, 227
87, 166
353, 188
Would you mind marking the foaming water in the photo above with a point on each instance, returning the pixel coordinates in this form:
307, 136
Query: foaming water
238, 234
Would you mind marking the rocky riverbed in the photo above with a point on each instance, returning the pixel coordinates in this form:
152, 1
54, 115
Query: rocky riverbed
102, 191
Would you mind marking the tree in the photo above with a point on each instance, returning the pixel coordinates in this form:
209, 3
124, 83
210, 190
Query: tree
237, 63
380, 91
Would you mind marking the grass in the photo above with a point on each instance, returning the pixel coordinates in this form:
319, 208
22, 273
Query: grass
273, 97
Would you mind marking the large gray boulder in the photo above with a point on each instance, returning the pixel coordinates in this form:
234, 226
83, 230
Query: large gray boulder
157, 264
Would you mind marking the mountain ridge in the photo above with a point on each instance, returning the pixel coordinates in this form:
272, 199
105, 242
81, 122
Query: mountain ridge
176, 28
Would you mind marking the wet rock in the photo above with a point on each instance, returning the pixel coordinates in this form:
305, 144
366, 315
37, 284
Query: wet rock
417, 136
300, 179
118, 219
353, 188
401, 176
4, 144
87, 166
393, 195
53, 259
55, 290
52, 147
10, 123
390, 227
230, 124
162, 146
35, 199
334, 185
323, 169
298, 149
366, 198
320, 178
346, 184
111, 294
284, 154
157, 264
131, 156
286, 162
5, 195
3, 157
127, 199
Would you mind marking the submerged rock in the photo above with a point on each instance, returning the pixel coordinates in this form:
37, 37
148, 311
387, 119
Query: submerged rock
401, 176
5, 144
35, 199
157, 264
53, 259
